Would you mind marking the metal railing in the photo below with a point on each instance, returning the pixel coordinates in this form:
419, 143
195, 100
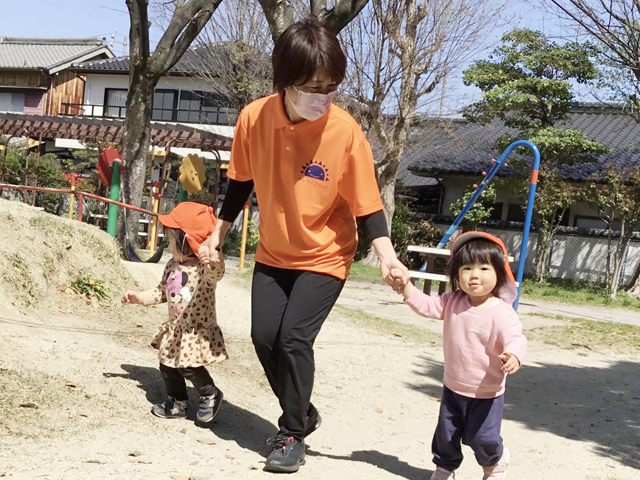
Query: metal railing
216, 116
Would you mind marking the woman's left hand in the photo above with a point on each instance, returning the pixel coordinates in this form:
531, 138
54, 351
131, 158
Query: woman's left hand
393, 271
395, 274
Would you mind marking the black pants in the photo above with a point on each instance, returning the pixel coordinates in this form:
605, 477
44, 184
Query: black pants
174, 381
288, 307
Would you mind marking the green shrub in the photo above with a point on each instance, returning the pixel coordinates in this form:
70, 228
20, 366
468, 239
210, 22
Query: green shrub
233, 240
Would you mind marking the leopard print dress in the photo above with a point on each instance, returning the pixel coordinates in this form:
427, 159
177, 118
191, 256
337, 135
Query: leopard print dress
191, 336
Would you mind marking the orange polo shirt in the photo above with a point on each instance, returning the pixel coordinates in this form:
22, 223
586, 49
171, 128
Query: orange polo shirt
311, 179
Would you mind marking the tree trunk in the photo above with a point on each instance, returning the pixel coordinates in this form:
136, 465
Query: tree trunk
621, 250
543, 250
387, 186
135, 152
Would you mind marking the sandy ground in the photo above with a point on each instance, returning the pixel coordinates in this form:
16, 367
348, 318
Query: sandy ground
570, 414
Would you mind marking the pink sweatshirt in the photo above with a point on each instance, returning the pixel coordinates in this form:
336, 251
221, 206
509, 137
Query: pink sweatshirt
473, 338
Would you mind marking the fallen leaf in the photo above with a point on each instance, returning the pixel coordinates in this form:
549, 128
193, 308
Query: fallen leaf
230, 457
135, 454
184, 430
378, 410
93, 461
207, 440
81, 413
193, 463
11, 425
338, 387
62, 287
95, 303
70, 384
50, 340
19, 335
139, 325
136, 460
178, 477
29, 405
253, 467
70, 291
397, 335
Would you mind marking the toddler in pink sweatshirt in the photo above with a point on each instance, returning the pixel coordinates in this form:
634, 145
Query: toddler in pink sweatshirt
483, 342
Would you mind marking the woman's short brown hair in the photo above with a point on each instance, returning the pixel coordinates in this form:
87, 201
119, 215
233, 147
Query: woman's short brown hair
304, 48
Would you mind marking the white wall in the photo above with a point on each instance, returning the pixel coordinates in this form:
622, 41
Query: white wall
96, 84
572, 256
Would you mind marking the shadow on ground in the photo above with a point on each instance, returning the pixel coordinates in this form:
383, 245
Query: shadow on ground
590, 404
383, 461
237, 424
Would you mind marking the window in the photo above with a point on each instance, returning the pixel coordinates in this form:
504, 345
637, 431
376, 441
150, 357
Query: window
204, 107
115, 102
496, 213
12, 102
164, 105
515, 213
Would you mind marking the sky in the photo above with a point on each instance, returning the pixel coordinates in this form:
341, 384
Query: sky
110, 19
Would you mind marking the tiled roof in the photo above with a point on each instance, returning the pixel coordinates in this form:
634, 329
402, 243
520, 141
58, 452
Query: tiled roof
458, 147
194, 61
46, 53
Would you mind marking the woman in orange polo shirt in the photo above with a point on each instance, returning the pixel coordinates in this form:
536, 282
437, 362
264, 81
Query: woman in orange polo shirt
313, 173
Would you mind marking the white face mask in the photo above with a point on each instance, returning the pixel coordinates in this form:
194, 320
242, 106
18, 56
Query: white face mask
312, 106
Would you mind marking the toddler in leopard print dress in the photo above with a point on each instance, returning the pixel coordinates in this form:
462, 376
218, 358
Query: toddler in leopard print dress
190, 339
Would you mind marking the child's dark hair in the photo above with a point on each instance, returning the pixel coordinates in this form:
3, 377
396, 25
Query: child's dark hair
181, 242
478, 251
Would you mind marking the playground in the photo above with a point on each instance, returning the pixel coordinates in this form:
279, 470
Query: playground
78, 380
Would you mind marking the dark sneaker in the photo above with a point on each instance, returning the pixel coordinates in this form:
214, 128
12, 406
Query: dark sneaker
209, 407
170, 408
312, 422
287, 454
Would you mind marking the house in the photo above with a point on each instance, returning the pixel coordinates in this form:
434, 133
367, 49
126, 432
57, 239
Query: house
453, 153
187, 95
35, 77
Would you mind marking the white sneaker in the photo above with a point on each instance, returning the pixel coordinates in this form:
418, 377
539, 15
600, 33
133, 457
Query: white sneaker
499, 470
442, 474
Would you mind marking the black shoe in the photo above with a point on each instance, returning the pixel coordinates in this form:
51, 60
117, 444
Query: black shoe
287, 454
312, 421
170, 408
209, 407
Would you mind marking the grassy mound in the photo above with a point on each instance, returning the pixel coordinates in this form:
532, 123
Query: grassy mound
42, 255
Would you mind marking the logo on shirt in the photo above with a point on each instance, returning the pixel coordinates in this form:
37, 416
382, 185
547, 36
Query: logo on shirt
316, 170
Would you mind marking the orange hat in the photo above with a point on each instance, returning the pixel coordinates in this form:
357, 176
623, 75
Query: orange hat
194, 219
509, 291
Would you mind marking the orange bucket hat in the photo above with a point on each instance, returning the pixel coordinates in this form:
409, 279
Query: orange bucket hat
509, 291
196, 220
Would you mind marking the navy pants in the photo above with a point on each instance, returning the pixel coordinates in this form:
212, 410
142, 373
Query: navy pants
472, 421
288, 308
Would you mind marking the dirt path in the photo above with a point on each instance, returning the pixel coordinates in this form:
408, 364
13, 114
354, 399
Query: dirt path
571, 414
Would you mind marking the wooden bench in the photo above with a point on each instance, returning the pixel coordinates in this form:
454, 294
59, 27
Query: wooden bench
430, 254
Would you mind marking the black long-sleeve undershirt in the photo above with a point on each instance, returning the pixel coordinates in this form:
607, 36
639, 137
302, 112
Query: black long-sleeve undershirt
374, 224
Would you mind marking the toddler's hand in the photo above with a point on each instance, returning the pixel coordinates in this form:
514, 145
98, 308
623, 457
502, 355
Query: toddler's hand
131, 296
511, 364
